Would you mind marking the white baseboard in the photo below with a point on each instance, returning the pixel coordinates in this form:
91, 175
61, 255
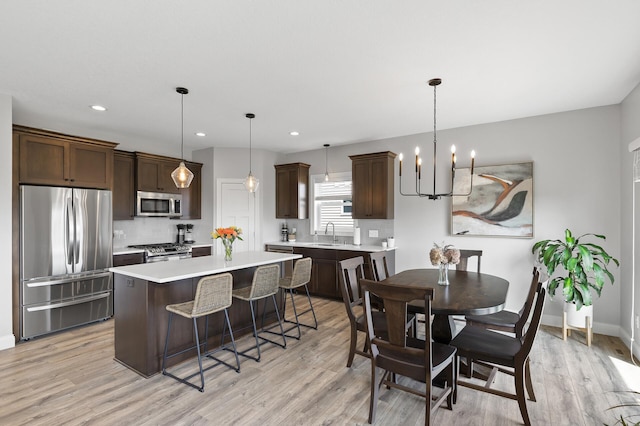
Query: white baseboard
7, 341
626, 338
598, 327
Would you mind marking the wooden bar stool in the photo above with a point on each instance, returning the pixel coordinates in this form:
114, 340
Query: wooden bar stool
264, 284
300, 277
213, 294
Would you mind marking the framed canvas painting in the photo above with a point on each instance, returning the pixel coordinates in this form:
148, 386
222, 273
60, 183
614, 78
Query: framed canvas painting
500, 204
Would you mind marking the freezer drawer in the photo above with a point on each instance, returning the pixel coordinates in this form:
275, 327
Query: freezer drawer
51, 290
46, 318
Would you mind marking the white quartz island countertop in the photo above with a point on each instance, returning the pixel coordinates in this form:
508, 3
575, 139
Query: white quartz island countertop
330, 246
174, 270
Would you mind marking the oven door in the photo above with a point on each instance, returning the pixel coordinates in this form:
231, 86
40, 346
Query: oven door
157, 204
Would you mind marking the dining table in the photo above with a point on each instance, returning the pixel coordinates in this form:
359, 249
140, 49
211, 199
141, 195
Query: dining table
467, 293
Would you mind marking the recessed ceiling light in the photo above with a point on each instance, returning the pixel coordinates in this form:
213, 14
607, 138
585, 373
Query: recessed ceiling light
98, 108
201, 134
294, 133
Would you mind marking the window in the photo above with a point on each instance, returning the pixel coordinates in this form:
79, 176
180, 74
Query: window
331, 203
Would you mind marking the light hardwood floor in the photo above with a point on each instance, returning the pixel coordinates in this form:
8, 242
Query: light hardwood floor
71, 378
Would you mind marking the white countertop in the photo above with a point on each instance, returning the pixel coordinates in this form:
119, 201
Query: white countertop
173, 270
329, 246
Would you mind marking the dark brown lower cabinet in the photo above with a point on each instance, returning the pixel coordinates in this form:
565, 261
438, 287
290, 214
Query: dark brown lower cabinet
141, 320
325, 270
201, 251
128, 259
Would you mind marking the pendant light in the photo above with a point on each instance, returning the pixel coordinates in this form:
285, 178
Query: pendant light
182, 176
435, 82
326, 162
251, 183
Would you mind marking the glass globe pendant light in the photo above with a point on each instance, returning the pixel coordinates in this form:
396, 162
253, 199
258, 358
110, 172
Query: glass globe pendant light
251, 183
182, 176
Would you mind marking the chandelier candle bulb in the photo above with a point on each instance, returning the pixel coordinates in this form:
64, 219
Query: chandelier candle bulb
419, 168
400, 165
417, 157
453, 157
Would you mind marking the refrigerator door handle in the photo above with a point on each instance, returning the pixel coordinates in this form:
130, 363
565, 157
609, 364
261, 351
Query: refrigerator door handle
76, 237
48, 282
69, 303
67, 232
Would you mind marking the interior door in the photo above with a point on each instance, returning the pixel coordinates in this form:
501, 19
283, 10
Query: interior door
237, 206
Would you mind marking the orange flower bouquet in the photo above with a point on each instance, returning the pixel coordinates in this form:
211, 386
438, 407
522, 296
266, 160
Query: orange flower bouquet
228, 236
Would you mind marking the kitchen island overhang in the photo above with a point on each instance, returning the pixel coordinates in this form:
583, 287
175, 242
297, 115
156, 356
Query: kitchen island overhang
142, 291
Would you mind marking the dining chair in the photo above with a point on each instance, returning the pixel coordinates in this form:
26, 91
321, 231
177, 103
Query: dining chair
512, 322
213, 294
504, 354
401, 355
379, 271
351, 271
464, 259
299, 278
379, 267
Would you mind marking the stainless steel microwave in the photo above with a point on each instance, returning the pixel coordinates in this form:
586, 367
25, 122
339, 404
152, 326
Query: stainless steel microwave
158, 204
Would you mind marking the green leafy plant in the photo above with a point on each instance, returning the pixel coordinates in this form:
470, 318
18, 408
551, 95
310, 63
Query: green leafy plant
586, 266
627, 421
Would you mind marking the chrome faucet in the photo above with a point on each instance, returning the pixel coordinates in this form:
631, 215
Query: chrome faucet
335, 240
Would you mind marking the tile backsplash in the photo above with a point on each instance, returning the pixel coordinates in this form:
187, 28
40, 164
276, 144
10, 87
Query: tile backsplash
151, 230
385, 230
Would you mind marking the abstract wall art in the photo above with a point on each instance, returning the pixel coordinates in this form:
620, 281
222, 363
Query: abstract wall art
501, 203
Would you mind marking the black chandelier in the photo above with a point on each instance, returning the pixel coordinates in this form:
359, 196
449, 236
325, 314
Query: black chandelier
434, 82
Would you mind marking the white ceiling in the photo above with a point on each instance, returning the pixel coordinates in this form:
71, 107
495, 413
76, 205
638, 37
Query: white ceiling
337, 71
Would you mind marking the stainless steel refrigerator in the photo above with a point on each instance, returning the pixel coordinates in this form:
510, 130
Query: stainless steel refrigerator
65, 253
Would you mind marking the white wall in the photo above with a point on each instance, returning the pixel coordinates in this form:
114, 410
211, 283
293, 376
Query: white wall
576, 156
630, 131
7, 339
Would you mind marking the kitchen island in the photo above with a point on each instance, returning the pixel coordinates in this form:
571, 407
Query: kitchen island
141, 293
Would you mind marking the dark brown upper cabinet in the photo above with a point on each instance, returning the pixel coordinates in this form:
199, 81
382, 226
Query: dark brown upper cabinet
48, 158
153, 173
292, 191
192, 196
373, 185
124, 185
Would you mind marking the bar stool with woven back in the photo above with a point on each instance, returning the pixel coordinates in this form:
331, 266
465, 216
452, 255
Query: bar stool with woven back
213, 294
264, 285
300, 277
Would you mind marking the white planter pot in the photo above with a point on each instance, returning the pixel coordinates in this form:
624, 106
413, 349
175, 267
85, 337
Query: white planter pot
577, 318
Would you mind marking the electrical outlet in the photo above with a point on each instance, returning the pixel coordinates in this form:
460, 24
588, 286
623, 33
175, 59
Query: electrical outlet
373, 233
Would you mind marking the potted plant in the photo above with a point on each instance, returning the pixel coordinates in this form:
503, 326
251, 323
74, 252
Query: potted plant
585, 268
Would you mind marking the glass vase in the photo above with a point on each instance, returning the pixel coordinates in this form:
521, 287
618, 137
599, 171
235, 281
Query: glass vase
228, 249
443, 274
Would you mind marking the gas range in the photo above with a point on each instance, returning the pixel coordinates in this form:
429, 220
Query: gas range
164, 251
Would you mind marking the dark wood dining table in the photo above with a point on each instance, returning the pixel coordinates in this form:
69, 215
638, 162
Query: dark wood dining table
467, 293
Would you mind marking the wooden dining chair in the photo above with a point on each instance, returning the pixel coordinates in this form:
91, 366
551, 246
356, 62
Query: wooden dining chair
504, 354
379, 267
400, 355
464, 259
351, 271
512, 322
